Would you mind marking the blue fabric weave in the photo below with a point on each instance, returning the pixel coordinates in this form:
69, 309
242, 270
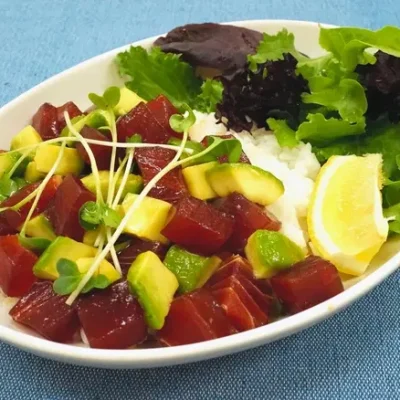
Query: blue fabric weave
353, 355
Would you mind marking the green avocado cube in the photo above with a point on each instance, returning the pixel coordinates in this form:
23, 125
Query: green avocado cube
134, 183
32, 174
270, 251
46, 156
196, 181
191, 270
61, 247
128, 100
252, 182
27, 137
40, 227
149, 219
154, 285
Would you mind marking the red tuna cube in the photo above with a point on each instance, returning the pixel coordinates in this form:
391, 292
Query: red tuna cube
263, 301
163, 110
235, 265
5, 228
306, 284
16, 263
248, 218
194, 317
211, 312
137, 246
112, 318
16, 218
73, 111
228, 301
69, 198
184, 325
45, 121
142, 121
235, 309
47, 313
151, 161
239, 268
102, 154
198, 226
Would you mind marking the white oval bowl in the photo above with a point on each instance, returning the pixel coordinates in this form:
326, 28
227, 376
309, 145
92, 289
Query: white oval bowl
95, 75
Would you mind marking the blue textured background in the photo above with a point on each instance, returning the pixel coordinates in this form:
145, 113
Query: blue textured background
353, 355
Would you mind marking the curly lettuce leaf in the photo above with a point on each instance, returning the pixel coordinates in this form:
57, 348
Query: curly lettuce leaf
347, 98
210, 96
273, 48
153, 73
284, 134
320, 130
350, 45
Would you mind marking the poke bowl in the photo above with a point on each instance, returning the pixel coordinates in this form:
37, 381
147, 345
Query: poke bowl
199, 193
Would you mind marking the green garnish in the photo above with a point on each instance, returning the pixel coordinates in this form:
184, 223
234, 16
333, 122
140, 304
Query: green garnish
70, 277
195, 147
136, 138
285, 135
92, 214
109, 99
210, 96
273, 48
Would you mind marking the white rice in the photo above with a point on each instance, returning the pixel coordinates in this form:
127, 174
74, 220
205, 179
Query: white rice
297, 168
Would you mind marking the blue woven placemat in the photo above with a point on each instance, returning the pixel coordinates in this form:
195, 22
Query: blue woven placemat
353, 355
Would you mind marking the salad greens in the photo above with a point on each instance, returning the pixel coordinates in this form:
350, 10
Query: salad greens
273, 48
153, 73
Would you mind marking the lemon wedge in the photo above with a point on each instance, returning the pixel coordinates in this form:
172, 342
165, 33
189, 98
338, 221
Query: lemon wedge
345, 217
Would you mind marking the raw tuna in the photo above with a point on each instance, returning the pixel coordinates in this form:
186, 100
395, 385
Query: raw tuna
73, 111
142, 121
136, 247
248, 217
235, 265
5, 229
151, 161
198, 226
307, 284
193, 318
16, 263
235, 308
263, 301
46, 313
184, 325
102, 154
70, 197
163, 110
231, 304
211, 312
239, 268
16, 218
45, 121
112, 318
